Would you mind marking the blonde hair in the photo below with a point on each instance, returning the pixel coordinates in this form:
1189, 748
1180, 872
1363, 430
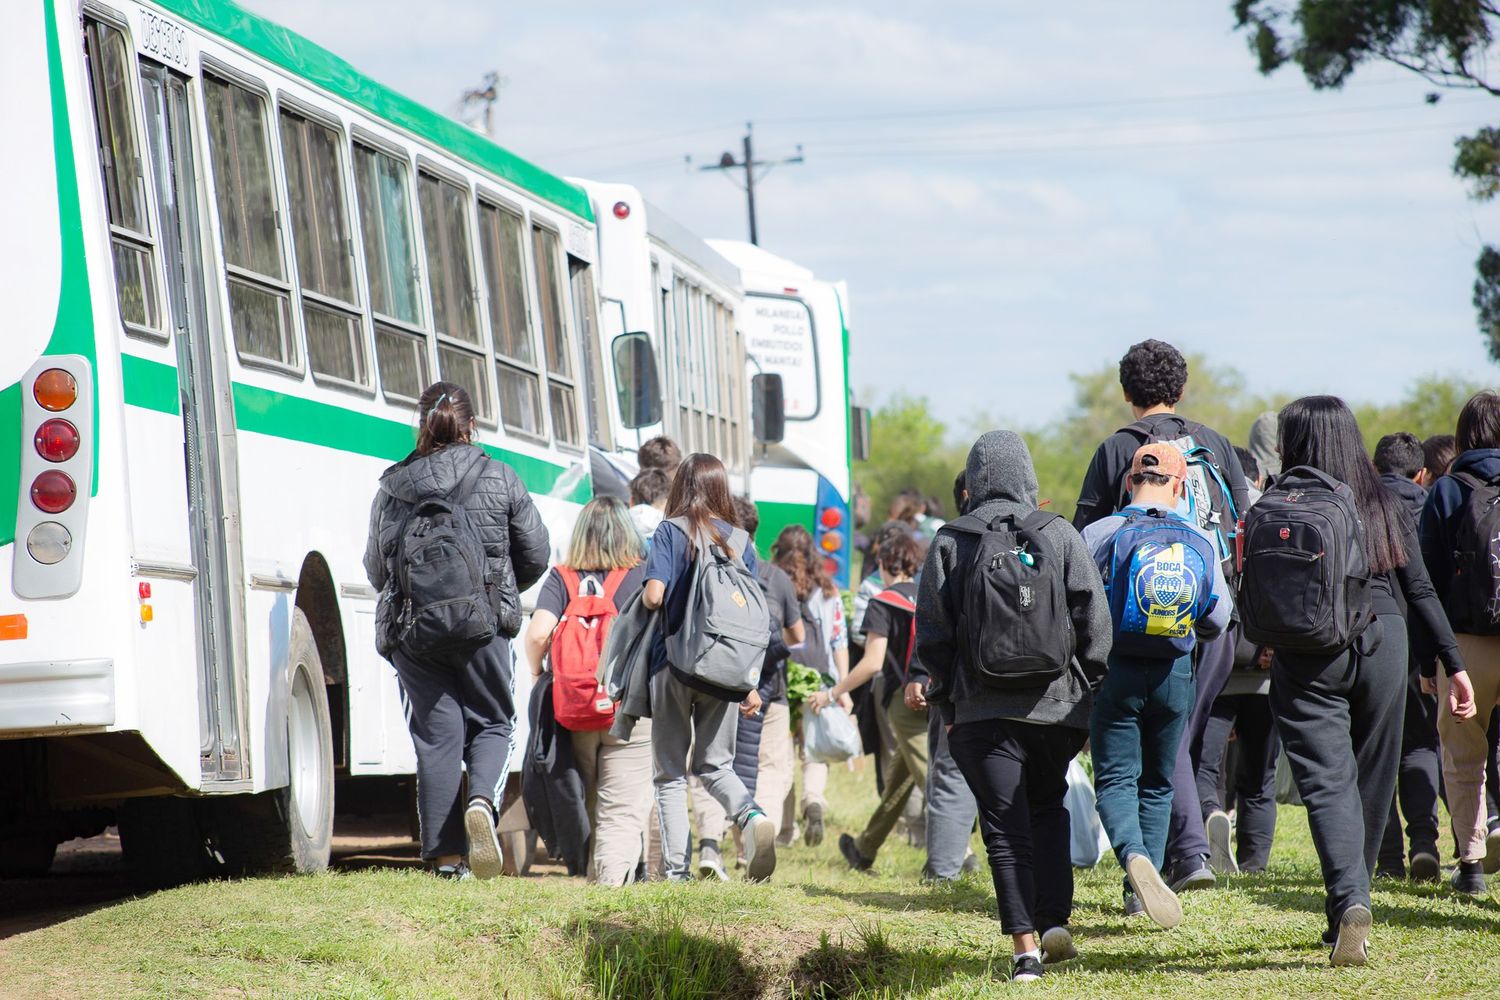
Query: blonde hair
605, 537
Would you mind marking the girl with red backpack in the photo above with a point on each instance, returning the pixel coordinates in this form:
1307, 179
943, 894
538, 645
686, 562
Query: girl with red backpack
578, 603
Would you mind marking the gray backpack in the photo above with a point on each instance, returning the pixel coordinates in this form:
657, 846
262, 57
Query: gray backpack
721, 645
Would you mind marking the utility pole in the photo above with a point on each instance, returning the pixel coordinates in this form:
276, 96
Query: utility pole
488, 92
727, 162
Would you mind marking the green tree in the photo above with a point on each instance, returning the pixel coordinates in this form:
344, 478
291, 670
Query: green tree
909, 449
1447, 42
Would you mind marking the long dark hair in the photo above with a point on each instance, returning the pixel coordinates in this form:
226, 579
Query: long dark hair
1321, 432
446, 416
700, 493
795, 553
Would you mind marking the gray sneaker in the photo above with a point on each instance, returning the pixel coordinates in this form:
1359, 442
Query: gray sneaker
1156, 898
760, 847
711, 863
1220, 843
485, 857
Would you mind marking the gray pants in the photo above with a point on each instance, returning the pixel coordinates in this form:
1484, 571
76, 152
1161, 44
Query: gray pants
684, 720
951, 809
461, 714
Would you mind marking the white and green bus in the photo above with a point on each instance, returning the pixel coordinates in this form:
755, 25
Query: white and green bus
235, 262
797, 326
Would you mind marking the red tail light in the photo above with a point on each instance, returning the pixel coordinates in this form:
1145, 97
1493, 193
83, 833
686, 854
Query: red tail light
57, 440
53, 491
832, 517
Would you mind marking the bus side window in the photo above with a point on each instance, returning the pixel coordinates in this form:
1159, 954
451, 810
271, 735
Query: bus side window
682, 352
516, 371
120, 159
244, 191
401, 348
561, 387
331, 315
586, 309
455, 298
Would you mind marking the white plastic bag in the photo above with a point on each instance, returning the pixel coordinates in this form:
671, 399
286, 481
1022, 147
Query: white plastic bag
830, 736
1088, 840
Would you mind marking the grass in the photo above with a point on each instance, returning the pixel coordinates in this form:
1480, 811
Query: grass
817, 932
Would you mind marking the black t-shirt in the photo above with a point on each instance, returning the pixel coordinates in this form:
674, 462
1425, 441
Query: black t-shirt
554, 595
1103, 484
895, 624
781, 600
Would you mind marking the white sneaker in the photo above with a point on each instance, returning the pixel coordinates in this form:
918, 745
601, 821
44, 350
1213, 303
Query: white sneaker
1220, 843
485, 857
1156, 897
1351, 947
711, 864
760, 847
1058, 946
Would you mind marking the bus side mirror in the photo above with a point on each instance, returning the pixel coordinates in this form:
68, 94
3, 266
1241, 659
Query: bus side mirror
637, 383
768, 408
859, 423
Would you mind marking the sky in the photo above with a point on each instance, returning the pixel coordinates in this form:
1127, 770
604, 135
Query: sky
1012, 191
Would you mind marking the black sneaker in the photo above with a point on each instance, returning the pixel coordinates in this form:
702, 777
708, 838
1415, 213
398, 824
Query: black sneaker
458, 873
1390, 871
1026, 969
1133, 905
812, 832
1189, 873
1351, 944
850, 850
1425, 867
1468, 879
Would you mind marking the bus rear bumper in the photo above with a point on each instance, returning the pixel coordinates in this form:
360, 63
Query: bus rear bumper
51, 695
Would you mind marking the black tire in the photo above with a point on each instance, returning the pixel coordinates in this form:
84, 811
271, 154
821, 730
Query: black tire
27, 855
165, 842
289, 830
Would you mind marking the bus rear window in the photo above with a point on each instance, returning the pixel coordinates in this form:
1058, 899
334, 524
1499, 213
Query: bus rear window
779, 336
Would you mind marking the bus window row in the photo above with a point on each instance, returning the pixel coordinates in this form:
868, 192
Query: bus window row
706, 367
394, 267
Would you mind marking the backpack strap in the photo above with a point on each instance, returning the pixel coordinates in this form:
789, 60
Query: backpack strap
895, 599
1038, 519
465, 488
572, 586
612, 582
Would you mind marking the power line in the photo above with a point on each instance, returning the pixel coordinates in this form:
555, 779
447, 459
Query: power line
727, 162
642, 141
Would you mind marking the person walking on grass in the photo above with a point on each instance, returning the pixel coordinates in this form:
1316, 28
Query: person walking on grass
455, 670
1014, 627
1327, 548
603, 564
1154, 377
890, 650
1166, 589
687, 718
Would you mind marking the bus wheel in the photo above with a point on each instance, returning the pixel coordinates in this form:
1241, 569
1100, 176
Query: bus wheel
290, 830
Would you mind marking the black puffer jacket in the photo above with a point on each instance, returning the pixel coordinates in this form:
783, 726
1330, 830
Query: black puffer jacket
515, 539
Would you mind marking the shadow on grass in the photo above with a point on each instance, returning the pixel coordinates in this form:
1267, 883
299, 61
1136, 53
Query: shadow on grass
873, 968
1481, 914
664, 962
957, 897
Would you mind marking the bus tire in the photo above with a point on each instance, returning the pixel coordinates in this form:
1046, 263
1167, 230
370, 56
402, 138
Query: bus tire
165, 842
290, 830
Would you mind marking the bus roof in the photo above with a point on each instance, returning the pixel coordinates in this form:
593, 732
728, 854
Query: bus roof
760, 266
321, 68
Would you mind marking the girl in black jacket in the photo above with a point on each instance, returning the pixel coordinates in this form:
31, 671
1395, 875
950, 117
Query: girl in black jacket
460, 709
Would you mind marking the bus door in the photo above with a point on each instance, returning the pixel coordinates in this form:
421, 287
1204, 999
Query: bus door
208, 426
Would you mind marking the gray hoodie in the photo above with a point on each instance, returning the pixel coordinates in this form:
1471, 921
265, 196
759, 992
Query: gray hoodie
1264, 445
1001, 481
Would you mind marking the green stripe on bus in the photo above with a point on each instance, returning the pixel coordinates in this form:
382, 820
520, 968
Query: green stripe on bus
150, 385
774, 516
322, 68
10, 460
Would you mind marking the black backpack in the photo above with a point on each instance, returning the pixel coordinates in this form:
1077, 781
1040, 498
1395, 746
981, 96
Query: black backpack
1014, 627
1210, 501
1305, 586
1473, 601
442, 577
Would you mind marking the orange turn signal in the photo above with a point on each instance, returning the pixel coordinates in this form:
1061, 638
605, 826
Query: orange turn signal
12, 627
146, 613
55, 390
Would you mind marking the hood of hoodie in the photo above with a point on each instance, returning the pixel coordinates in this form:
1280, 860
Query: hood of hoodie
1411, 494
419, 477
1263, 443
1481, 462
999, 475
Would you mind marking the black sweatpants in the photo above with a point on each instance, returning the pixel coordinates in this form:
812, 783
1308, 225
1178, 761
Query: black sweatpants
1253, 780
1018, 773
1417, 783
1340, 722
461, 713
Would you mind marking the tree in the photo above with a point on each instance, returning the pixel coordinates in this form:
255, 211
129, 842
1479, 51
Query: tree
909, 449
1446, 42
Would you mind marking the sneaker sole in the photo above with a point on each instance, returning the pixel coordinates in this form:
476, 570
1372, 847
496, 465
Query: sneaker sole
1159, 901
1354, 932
1220, 851
1425, 868
486, 860
813, 835
1492, 852
760, 852
710, 873
1058, 946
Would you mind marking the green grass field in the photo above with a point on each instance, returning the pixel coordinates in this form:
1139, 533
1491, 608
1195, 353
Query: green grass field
818, 931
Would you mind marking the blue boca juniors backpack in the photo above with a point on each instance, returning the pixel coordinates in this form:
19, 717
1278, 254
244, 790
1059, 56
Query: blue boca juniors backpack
1160, 583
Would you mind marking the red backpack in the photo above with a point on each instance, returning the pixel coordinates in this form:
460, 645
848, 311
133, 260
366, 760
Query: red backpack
579, 701
895, 599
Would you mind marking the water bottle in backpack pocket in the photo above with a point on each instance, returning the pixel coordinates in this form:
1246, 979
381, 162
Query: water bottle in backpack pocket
1160, 583
579, 702
1473, 600
1305, 586
441, 578
722, 643
1014, 626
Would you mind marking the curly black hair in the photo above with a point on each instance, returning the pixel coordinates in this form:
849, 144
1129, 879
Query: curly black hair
1153, 372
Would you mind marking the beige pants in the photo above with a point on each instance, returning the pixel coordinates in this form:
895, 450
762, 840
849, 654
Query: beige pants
617, 779
776, 774
1466, 745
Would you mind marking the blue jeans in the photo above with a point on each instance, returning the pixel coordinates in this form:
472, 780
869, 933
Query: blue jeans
1140, 713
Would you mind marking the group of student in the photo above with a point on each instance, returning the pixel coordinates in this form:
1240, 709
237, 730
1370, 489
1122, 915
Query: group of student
1295, 593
